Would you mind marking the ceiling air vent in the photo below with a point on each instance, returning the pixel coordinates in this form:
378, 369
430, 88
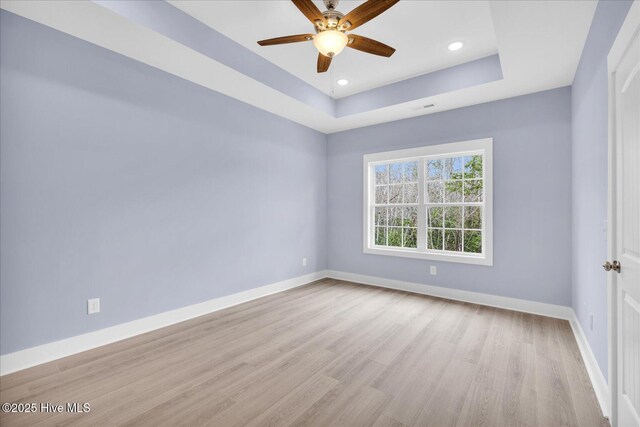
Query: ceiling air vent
422, 107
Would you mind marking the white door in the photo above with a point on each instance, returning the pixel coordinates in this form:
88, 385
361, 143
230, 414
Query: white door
626, 228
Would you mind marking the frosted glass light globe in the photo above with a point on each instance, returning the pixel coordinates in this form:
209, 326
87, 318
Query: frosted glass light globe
330, 43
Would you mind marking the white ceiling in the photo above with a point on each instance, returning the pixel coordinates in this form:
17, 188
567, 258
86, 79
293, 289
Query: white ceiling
419, 30
540, 43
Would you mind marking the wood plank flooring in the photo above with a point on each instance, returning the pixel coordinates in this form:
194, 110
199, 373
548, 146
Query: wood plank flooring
329, 353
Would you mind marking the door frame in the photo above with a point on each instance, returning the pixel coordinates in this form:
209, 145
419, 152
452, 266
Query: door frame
625, 35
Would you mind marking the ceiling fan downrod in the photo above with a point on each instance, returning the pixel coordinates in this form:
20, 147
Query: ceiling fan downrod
331, 15
331, 4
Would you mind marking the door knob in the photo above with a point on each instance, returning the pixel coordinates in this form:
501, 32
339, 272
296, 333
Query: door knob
615, 266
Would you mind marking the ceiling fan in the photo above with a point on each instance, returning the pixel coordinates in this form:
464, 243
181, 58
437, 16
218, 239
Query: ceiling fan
331, 27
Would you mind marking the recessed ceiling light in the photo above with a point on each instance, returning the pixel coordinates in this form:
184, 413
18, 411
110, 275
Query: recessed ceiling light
455, 46
343, 82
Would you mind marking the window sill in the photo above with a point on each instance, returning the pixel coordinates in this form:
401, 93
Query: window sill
464, 259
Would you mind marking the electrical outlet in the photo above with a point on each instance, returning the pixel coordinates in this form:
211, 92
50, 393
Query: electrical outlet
93, 306
433, 270
304, 262
591, 321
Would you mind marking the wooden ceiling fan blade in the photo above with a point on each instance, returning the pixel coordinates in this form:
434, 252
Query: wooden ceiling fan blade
323, 63
311, 11
286, 39
368, 45
365, 13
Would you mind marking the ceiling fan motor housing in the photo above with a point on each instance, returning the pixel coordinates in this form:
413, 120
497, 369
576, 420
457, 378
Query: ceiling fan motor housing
332, 17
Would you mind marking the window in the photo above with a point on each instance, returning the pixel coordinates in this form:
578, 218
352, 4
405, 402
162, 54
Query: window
432, 202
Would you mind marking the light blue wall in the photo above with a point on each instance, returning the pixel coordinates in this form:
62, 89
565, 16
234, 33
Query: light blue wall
123, 182
532, 196
589, 175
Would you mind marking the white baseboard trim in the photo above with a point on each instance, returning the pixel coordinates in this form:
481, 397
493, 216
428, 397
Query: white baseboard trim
558, 311
544, 309
600, 385
33, 356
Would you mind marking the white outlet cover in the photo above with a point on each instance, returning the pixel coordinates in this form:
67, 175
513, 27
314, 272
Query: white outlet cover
304, 262
93, 306
433, 270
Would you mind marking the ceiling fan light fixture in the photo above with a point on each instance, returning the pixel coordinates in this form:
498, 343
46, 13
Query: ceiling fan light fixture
330, 42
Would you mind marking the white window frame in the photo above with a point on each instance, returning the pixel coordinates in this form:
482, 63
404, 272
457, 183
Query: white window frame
421, 154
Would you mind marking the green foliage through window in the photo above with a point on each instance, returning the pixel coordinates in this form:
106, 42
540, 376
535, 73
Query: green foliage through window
453, 199
453, 182
396, 199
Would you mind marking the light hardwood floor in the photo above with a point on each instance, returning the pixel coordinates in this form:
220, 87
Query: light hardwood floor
329, 353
